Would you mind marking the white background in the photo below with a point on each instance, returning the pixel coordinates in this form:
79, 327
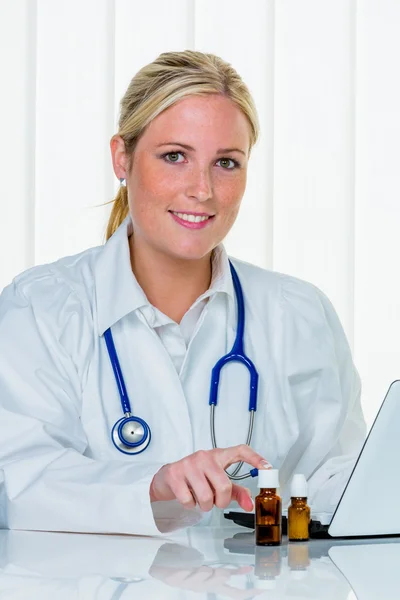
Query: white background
322, 199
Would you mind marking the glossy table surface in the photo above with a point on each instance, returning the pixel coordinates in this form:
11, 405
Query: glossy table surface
199, 562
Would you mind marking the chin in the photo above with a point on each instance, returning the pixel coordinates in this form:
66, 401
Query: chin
191, 252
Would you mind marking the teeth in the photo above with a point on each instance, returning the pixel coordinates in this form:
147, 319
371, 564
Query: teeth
190, 218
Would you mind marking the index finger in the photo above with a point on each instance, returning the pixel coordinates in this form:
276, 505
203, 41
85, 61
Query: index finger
234, 454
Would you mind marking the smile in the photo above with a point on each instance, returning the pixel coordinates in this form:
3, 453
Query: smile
191, 218
191, 221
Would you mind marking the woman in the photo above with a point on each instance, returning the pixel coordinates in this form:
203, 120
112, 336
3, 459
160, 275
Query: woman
163, 285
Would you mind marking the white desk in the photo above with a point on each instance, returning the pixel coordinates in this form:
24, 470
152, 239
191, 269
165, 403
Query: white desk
202, 563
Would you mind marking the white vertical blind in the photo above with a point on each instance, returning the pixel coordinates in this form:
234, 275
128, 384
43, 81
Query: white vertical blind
314, 147
323, 183
74, 121
17, 136
377, 198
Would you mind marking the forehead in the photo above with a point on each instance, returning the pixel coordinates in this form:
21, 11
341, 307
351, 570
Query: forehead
212, 118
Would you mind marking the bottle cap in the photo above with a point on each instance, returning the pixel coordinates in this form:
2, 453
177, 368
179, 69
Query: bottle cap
268, 478
298, 489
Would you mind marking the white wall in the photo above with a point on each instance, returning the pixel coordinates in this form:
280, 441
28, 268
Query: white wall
322, 200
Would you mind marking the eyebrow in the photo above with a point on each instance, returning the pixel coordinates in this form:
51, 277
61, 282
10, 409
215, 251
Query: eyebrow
219, 151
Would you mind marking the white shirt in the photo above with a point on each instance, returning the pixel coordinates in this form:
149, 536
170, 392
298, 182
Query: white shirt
60, 471
174, 336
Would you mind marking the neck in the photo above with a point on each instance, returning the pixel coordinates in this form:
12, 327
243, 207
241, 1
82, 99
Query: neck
171, 284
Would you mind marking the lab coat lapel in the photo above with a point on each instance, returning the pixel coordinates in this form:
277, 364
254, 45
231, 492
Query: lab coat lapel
154, 390
163, 395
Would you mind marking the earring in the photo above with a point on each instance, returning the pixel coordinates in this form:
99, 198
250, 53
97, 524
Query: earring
122, 181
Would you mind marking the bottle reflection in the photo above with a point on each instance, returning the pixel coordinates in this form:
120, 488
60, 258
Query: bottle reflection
268, 566
298, 559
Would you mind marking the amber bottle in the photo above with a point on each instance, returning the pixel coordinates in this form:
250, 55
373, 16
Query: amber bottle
298, 511
268, 509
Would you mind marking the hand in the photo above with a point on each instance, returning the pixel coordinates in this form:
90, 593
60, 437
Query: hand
200, 478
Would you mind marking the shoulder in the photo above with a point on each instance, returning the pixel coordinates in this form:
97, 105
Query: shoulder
54, 302
51, 306
49, 286
301, 309
284, 288
299, 305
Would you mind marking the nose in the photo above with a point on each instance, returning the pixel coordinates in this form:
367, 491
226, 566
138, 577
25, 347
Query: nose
199, 184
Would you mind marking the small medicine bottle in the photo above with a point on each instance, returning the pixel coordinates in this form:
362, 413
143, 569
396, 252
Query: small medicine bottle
298, 511
268, 509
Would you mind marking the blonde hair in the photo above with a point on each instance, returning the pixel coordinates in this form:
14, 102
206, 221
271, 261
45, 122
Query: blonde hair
160, 84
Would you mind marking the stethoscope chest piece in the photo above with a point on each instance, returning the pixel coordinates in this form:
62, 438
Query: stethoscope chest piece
131, 435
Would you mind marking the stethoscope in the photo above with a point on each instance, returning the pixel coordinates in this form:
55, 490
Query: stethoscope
132, 435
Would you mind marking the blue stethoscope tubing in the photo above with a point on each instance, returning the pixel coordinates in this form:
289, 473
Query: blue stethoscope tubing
132, 435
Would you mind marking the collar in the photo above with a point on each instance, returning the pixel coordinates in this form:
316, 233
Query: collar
118, 292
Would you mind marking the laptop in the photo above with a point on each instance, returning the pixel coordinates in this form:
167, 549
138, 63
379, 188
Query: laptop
369, 505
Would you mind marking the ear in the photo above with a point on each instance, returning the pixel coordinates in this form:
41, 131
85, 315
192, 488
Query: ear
119, 157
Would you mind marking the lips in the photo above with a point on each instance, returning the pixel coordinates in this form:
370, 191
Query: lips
182, 213
192, 220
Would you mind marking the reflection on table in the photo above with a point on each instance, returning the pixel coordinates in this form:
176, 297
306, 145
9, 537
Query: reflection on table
209, 563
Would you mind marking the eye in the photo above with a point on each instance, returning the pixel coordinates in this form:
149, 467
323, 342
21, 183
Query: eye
171, 154
236, 165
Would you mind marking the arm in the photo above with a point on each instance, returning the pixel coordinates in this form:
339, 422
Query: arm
328, 481
325, 389
46, 481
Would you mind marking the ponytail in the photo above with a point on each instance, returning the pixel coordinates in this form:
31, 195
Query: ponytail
119, 211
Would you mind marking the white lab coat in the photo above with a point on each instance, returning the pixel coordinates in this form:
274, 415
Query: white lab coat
59, 470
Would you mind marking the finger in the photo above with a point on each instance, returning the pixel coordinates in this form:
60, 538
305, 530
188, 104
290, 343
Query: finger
226, 571
232, 570
242, 496
243, 570
201, 575
182, 493
220, 484
177, 577
201, 489
234, 454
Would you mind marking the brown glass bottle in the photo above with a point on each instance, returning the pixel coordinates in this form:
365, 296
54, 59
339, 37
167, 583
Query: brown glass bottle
298, 511
298, 520
268, 509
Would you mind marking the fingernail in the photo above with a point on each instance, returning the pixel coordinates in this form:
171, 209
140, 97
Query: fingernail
265, 464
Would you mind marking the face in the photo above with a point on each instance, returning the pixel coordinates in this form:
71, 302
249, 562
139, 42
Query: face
188, 176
